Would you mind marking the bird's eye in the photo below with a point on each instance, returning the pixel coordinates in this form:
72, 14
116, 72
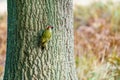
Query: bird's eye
52, 27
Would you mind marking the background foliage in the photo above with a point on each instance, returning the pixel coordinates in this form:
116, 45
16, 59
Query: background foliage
3, 35
97, 41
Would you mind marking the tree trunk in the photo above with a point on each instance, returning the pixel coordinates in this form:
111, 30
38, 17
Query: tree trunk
25, 60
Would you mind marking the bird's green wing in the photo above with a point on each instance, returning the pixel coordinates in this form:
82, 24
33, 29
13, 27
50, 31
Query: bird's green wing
46, 36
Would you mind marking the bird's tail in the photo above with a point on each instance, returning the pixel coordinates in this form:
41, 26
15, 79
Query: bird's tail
43, 46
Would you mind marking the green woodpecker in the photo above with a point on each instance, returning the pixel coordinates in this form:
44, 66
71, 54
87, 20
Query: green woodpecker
46, 35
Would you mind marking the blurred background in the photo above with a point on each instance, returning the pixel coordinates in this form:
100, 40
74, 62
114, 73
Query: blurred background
97, 39
3, 34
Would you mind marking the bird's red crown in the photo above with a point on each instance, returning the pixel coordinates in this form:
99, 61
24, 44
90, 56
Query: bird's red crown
50, 27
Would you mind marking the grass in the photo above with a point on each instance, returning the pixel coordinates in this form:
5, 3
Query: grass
97, 41
3, 36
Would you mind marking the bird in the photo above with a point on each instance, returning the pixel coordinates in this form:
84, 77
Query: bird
46, 36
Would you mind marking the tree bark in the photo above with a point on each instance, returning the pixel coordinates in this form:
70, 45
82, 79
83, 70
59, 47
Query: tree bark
25, 60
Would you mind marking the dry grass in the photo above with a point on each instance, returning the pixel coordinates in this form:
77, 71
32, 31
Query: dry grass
97, 41
3, 35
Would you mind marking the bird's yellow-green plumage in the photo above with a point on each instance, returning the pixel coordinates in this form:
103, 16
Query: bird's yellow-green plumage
47, 33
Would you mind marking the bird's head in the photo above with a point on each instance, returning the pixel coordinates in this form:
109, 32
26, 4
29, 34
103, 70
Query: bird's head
49, 27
